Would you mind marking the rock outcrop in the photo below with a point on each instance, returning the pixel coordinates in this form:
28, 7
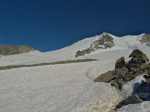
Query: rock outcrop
24, 49
104, 42
138, 57
10, 50
125, 72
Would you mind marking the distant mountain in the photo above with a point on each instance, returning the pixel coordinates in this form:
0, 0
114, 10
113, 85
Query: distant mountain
107, 41
102, 43
10, 50
92, 47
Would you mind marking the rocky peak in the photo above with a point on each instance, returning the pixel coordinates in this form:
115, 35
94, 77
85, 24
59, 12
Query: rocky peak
103, 42
138, 57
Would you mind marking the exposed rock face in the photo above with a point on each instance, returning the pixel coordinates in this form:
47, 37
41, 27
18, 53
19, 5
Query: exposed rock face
120, 63
104, 42
126, 71
145, 39
110, 75
138, 57
10, 50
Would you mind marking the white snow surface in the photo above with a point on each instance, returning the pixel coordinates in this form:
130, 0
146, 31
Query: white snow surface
55, 88
66, 87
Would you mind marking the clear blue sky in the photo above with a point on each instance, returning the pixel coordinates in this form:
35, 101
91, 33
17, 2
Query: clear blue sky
52, 24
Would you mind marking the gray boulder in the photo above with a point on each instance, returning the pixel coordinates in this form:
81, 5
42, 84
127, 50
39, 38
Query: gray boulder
120, 63
111, 75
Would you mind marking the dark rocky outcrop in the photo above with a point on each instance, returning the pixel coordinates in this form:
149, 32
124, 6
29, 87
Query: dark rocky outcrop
104, 42
138, 57
125, 72
10, 50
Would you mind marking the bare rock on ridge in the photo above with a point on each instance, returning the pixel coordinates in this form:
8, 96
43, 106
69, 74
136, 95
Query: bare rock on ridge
10, 50
104, 42
24, 49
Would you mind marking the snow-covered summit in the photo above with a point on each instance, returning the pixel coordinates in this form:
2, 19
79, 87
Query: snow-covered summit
102, 43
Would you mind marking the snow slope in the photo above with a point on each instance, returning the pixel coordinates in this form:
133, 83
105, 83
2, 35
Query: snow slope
55, 88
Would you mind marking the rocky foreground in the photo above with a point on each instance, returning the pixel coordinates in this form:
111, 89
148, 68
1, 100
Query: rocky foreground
127, 71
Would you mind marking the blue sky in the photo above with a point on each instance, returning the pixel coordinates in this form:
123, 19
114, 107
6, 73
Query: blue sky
52, 24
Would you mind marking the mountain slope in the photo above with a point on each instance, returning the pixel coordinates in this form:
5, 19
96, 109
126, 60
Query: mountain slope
55, 88
65, 87
127, 43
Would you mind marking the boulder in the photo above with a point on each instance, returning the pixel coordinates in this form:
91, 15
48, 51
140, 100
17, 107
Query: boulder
106, 77
120, 63
111, 75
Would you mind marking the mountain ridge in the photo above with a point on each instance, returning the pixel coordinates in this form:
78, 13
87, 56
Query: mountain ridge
123, 42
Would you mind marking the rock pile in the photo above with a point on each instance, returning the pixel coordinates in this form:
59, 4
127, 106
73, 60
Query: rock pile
104, 42
126, 71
